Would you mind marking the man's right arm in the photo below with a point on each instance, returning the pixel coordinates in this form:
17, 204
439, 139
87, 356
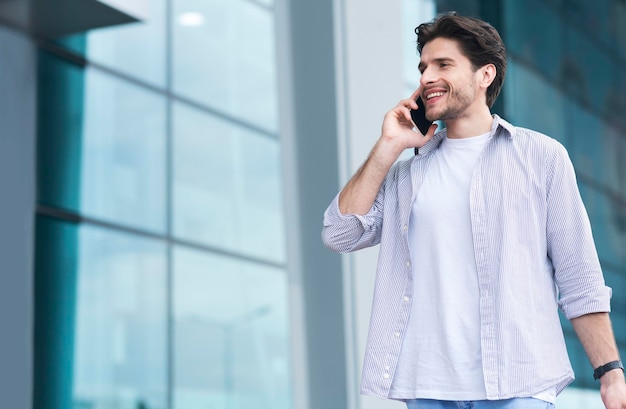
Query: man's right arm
358, 196
350, 222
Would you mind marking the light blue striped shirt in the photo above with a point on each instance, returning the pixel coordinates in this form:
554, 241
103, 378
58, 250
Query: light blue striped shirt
534, 252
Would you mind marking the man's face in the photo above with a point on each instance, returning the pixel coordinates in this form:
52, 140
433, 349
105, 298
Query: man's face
449, 83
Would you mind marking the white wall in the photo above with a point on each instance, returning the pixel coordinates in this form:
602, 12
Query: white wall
369, 57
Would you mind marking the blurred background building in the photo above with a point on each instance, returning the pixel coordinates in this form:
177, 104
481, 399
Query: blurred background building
165, 165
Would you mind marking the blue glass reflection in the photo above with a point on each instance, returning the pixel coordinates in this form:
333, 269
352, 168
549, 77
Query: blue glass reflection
608, 233
226, 60
120, 358
101, 146
525, 89
588, 72
227, 186
231, 337
534, 35
101, 318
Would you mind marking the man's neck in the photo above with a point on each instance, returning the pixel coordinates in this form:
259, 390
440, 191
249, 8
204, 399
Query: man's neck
475, 124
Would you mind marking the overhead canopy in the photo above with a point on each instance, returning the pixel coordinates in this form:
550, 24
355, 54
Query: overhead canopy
57, 18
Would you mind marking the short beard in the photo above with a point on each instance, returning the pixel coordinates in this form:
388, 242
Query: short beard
460, 102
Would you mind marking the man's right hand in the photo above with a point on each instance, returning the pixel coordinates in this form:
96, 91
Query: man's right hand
399, 130
398, 133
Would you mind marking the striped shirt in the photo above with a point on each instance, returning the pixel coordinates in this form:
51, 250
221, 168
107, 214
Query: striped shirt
534, 253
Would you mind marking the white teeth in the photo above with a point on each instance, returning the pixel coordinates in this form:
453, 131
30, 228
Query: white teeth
434, 94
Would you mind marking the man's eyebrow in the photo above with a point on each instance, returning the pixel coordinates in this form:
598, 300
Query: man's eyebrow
435, 61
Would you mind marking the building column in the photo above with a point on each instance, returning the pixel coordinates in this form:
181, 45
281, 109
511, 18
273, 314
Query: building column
17, 182
308, 128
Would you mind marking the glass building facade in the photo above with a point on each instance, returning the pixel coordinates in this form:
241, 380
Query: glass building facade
166, 180
160, 257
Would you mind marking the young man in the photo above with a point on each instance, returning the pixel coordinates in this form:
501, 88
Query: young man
483, 236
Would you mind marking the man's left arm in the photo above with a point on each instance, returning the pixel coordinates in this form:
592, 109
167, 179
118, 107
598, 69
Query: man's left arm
596, 335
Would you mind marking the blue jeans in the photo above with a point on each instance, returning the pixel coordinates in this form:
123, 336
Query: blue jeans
517, 403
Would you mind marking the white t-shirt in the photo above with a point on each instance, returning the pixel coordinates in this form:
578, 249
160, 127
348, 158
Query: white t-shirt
441, 348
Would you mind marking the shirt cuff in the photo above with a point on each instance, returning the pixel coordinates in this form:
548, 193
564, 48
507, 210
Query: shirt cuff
595, 301
333, 215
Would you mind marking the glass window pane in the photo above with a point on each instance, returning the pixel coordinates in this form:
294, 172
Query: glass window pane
121, 321
606, 220
525, 89
224, 57
587, 148
231, 337
101, 318
463, 7
227, 186
578, 398
616, 279
615, 152
118, 47
591, 17
617, 28
583, 56
534, 35
101, 146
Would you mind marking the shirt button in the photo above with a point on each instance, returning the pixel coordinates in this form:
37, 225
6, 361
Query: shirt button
406, 299
386, 376
404, 227
396, 334
408, 263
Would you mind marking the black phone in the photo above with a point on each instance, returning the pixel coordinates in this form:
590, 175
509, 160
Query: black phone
419, 117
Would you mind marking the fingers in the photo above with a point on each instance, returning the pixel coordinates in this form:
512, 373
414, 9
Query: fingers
402, 113
410, 103
429, 134
431, 131
416, 93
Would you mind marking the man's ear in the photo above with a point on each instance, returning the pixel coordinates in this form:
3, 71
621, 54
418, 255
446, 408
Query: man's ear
487, 75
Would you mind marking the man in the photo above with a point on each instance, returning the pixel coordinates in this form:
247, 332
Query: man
483, 236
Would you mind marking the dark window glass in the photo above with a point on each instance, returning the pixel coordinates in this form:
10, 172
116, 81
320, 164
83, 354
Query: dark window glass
617, 28
533, 34
101, 318
586, 71
606, 218
528, 94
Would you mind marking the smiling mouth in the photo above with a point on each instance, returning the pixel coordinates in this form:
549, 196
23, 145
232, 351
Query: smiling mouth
434, 94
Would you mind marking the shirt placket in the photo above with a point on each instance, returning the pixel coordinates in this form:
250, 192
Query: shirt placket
485, 283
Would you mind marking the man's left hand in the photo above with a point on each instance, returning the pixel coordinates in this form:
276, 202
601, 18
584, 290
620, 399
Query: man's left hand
613, 389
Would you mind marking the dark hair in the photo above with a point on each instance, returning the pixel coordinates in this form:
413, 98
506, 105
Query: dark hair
479, 42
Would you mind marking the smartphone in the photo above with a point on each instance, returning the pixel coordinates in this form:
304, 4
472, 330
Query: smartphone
419, 117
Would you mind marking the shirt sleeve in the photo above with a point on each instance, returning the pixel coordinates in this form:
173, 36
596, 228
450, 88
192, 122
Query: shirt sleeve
571, 247
344, 233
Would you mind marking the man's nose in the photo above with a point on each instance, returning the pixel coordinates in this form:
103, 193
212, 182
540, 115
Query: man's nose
428, 77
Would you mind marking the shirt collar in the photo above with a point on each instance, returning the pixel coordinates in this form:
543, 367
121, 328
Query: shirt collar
509, 131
